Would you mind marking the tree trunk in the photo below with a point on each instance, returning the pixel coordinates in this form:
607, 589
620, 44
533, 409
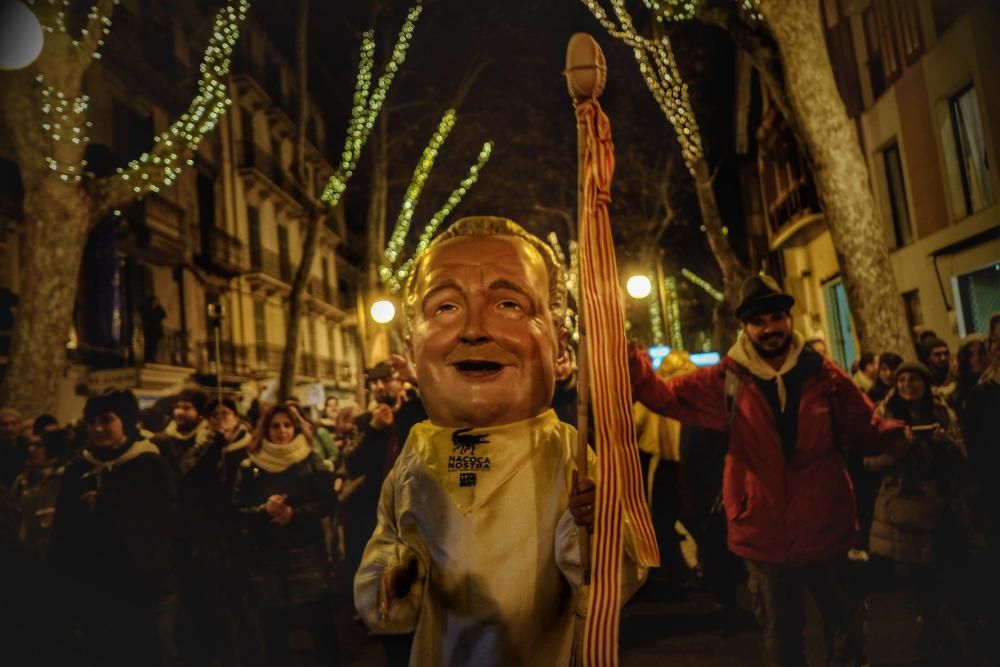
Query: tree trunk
300, 284
56, 215
733, 270
841, 176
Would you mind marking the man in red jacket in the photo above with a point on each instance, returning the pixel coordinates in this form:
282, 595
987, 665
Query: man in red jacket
789, 505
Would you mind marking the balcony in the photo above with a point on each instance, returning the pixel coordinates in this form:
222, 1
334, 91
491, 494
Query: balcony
269, 273
235, 358
157, 228
223, 253
262, 172
323, 300
791, 203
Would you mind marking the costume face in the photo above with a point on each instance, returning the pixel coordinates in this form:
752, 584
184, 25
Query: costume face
186, 415
106, 430
770, 333
911, 387
484, 342
281, 430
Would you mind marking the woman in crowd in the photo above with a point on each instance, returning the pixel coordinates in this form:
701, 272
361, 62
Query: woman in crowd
920, 502
282, 492
888, 362
114, 526
37, 489
973, 360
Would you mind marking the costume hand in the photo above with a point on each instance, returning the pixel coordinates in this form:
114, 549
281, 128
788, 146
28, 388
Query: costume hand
404, 368
581, 501
382, 416
396, 584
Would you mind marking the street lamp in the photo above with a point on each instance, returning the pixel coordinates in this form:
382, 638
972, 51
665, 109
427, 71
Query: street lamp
20, 35
638, 287
383, 311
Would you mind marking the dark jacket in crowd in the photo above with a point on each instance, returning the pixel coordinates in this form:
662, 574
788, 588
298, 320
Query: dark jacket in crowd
13, 454
287, 563
368, 459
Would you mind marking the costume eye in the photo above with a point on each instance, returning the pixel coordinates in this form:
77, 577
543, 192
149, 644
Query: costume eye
446, 307
509, 304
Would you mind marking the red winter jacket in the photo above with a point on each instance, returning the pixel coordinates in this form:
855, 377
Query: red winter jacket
785, 512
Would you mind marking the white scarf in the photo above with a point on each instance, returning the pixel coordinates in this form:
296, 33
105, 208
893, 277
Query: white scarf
278, 458
137, 448
744, 353
172, 431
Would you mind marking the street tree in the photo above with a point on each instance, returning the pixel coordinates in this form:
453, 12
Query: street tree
658, 67
46, 112
786, 43
364, 117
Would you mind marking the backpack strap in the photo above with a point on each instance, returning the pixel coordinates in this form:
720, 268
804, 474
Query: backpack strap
731, 389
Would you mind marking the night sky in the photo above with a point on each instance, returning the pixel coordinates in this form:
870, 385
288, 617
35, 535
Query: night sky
518, 99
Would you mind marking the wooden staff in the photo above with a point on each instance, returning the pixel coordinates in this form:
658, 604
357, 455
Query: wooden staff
586, 74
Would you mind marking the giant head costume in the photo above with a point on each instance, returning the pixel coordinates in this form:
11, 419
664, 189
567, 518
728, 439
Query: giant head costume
484, 309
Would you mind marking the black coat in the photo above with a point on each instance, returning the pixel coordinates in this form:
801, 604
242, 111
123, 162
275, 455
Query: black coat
124, 542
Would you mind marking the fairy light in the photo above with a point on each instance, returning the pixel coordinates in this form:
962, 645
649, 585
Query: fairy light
368, 103
656, 319
704, 284
684, 10
659, 70
412, 196
171, 148
395, 279
674, 312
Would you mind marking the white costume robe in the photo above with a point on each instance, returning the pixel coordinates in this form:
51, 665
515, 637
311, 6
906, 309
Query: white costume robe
484, 511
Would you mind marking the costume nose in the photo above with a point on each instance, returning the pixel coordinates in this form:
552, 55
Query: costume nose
473, 329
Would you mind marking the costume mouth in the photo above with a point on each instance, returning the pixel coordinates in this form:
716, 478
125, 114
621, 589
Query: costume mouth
478, 368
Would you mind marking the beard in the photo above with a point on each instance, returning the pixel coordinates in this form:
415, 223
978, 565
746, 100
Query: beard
771, 353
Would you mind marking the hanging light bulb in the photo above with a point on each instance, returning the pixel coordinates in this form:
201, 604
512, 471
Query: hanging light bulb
20, 35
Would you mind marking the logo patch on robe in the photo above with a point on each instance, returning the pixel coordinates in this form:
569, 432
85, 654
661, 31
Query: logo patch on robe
464, 457
467, 479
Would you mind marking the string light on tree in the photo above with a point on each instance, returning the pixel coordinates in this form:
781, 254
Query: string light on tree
683, 10
656, 320
395, 280
704, 284
411, 198
659, 70
674, 312
368, 103
162, 165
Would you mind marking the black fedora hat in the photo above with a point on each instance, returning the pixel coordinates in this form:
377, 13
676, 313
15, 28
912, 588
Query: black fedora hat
760, 295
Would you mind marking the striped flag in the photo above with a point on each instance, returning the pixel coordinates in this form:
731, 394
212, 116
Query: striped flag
619, 489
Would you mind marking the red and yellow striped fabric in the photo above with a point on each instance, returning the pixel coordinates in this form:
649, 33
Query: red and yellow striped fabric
619, 491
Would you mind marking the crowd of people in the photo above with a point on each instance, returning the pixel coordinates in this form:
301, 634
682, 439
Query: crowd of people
199, 535
187, 532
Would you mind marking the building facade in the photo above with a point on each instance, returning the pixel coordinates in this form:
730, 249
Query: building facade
218, 249
918, 79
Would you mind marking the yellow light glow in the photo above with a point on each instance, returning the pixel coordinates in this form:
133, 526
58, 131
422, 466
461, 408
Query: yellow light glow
638, 287
383, 311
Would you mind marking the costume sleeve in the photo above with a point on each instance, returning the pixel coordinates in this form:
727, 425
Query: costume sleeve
385, 550
567, 549
695, 399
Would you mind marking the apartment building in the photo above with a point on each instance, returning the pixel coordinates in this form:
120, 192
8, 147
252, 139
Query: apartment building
918, 77
227, 233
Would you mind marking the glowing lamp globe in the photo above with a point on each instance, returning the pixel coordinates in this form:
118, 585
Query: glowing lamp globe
383, 311
638, 287
20, 35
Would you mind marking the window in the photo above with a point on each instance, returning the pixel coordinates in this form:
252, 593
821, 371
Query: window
903, 232
284, 259
979, 297
839, 322
894, 40
253, 231
914, 313
260, 328
972, 165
